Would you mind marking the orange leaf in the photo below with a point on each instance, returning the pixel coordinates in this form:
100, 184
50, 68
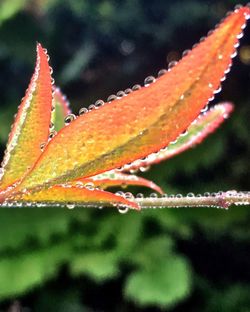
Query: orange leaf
112, 179
74, 195
31, 126
144, 121
205, 124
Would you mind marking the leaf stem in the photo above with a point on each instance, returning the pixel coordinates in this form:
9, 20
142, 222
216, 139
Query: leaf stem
215, 200
221, 200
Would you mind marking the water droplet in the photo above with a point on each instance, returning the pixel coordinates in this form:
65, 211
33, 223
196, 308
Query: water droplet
51, 125
210, 32
179, 196
99, 103
132, 171
172, 64
139, 195
136, 87
42, 146
204, 109
190, 195
111, 98
129, 195
69, 118
217, 90
227, 70
239, 36
149, 80
202, 39
184, 133
127, 91
185, 53
70, 206
83, 110
144, 168
119, 193
173, 142
153, 195
238, 6
162, 72
91, 107
120, 94
90, 186
52, 134
123, 209
233, 54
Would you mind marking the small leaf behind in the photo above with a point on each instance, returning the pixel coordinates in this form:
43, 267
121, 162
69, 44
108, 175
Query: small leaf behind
61, 110
113, 178
204, 125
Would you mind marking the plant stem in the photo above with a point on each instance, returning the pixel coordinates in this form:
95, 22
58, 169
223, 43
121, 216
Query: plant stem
210, 200
215, 200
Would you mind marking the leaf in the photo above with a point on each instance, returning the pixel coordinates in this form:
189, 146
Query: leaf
113, 178
204, 125
8, 9
229, 298
144, 121
20, 226
164, 284
31, 126
75, 195
100, 265
151, 250
61, 110
41, 264
132, 224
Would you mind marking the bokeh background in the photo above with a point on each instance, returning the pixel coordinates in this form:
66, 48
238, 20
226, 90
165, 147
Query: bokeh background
165, 260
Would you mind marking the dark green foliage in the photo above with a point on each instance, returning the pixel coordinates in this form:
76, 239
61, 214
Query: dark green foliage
84, 260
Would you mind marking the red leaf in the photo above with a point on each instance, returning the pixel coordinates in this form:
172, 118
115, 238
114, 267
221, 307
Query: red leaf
31, 126
144, 121
74, 195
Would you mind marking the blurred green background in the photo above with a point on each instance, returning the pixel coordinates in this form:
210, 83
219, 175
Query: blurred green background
165, 260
